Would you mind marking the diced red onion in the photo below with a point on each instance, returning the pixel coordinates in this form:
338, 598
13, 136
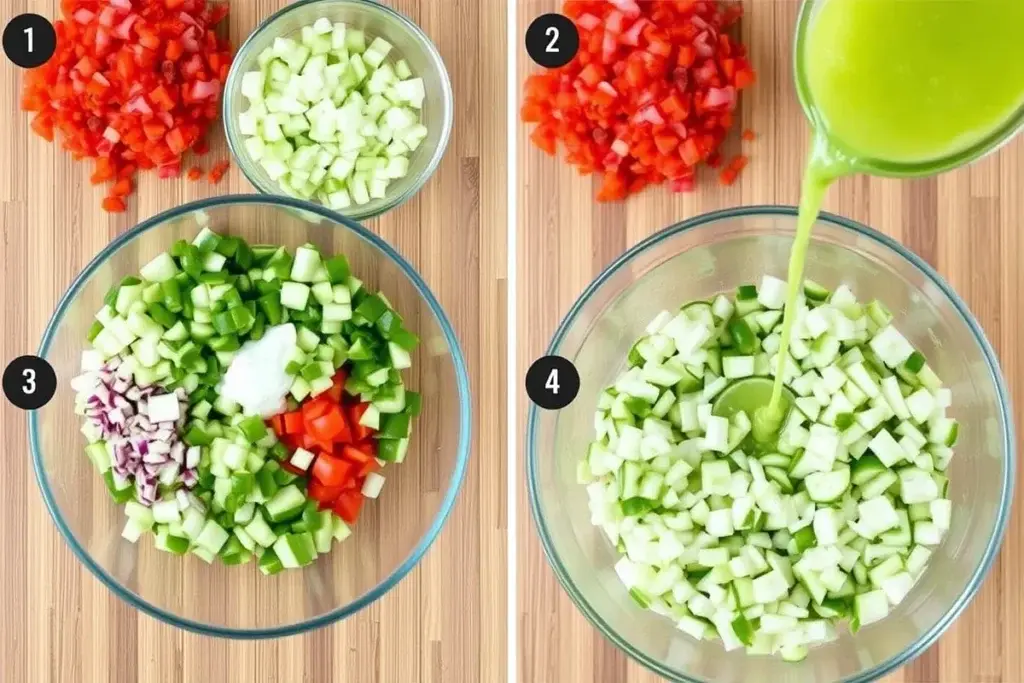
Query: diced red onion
154, 459
116, 408
160, 448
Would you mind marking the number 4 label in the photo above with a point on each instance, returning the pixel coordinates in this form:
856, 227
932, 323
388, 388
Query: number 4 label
552, 382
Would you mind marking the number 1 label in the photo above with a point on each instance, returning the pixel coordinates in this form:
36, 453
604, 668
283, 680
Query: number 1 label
29, 40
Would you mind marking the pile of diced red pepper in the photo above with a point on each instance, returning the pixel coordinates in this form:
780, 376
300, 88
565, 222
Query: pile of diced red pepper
649, 97
328, 426
134, 84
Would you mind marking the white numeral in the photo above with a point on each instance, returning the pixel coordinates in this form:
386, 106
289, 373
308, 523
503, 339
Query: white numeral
28, 32
551, 32
30, 380
552, 381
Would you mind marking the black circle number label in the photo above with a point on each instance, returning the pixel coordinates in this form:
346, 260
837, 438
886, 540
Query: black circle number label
552, 40
29, 40
29, 382
552, 382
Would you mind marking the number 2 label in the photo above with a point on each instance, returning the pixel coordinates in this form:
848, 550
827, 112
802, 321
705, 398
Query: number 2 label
552, 40
552, 33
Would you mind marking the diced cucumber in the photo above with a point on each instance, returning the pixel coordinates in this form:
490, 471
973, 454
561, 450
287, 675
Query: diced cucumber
849, 487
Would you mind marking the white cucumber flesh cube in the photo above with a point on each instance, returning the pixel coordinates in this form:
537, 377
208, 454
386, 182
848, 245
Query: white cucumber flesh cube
253, 83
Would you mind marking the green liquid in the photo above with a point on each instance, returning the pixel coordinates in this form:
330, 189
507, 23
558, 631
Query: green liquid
820, 172
752, 398
913, 81
898, 81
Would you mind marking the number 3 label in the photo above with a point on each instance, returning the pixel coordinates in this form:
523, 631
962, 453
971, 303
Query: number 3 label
552, 382
29, 382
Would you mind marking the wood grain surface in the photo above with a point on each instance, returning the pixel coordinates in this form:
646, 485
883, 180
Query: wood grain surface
965, 223
445, 622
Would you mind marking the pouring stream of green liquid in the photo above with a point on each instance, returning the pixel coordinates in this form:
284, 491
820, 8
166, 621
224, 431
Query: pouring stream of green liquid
903, 81
820, 172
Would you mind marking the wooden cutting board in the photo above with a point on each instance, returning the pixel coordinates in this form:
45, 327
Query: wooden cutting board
966, 224
57, 622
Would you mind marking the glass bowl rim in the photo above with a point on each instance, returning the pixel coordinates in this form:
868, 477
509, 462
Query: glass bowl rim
454, 483
1009, 440
233, 81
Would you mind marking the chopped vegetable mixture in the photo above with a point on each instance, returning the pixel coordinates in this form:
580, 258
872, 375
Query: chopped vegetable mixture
769, 546
192, 467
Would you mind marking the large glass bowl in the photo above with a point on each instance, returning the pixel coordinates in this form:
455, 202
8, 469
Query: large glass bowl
410, 43
393, 532
715, 253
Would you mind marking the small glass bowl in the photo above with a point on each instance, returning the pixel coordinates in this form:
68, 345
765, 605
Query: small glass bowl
714, 253
410, 43
393, 532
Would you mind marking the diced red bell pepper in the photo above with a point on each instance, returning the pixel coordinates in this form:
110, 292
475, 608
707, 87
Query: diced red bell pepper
355, 413
356, 455
323, 494
113, 205
348, 505
660, 77
369, 447
370, 466
277, 424
332, 471
314, 408
293, 423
